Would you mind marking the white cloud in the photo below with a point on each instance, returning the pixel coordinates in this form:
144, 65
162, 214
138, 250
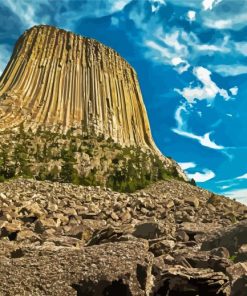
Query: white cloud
229, 115
243, 177
191, 15
234, 90
208, 91
229, 70
187, 165
239, 194
202, 177
208, 4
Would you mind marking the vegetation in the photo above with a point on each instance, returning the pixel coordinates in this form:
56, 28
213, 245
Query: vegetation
82, 160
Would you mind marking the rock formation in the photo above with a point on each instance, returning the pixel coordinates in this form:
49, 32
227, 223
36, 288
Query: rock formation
60, 80
60, 88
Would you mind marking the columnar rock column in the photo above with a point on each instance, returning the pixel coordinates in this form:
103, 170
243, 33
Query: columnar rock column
60, 80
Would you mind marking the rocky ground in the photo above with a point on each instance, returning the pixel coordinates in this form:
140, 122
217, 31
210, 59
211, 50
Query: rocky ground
171, 238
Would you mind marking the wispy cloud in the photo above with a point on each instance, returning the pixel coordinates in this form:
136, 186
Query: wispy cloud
229, 70
205, 176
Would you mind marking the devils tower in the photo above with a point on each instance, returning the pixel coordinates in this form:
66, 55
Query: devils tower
66, 85
61, 80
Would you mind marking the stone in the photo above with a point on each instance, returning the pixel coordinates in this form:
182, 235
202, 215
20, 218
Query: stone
42, 224
182, 236
114, 216
180, 280
161, 247
237, 270
148, 230
242, 253
192, 200
231, 237
220, 252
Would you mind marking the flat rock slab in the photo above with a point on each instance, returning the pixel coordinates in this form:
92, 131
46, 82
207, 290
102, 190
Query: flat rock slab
108, 269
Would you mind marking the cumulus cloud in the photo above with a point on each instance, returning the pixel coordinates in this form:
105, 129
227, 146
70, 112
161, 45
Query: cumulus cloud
207, 91
202, 177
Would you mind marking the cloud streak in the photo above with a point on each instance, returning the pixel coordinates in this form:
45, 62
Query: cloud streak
203, 140
182, 131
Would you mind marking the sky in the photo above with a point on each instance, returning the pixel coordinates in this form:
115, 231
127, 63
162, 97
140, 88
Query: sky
191, 61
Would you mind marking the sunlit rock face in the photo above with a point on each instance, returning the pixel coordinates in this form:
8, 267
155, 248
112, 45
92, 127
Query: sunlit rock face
60, 80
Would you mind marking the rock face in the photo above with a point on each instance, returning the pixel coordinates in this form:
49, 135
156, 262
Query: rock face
59, 80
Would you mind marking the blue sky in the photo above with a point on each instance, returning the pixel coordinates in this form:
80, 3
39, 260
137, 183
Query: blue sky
191, 60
